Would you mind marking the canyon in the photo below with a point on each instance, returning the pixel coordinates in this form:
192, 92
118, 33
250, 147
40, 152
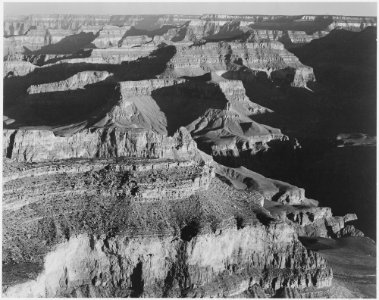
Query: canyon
189, 156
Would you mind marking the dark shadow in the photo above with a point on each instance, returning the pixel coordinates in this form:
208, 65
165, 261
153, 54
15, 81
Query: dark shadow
283, 77
264, 219
137, 281
184, 103
62, 108
293, 23
68, 45
204, 78
296, 111
80, 54
344, 64
15, 88
188, 232
40, 59
240, 222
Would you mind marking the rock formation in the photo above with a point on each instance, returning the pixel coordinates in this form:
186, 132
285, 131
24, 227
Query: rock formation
130, 151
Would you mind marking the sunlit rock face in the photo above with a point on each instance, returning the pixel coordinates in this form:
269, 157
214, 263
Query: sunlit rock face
131, 146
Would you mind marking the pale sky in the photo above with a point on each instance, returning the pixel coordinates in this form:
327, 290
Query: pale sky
196, 8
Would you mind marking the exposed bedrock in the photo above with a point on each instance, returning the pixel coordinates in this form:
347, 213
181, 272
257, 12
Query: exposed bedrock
43, 145
242, 178
156, 243
106, 190
18, 25
351, 23
269, 57
218, 111
168, 266
110, 36
79, 80
198, 30
289, 204
161, 241
17, 68
227, 133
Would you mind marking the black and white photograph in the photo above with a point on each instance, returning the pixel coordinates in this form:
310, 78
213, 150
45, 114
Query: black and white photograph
189, 149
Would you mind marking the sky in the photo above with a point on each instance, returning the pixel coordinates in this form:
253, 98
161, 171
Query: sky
196, 8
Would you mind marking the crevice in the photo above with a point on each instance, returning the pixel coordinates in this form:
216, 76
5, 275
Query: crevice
11, 144
137, 281
240, 222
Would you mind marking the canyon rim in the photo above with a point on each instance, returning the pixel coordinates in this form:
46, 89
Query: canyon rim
189, 155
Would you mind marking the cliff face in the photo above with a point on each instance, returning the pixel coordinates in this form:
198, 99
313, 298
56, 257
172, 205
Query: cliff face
161, 266
268, 57
39, 145
169, 237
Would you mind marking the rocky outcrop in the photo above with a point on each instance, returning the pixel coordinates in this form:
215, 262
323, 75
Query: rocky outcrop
135, 41
18, 25
34, 40
198, 60
110, 36
203, 247
79, 80
289, 204
42, 145
300, 37
17, 68
112, 56
198, 30
227, 133
56, 35
351, 23
151, 266
269, 57
270, 189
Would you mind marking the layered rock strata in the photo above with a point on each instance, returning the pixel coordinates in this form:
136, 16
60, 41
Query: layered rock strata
105, 191
130, 254
42, 145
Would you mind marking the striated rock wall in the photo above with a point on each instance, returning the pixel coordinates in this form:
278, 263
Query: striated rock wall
17, 68
351, 23
34, 40
198, 60
162, 266
21, 24
268, 57
43, 145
